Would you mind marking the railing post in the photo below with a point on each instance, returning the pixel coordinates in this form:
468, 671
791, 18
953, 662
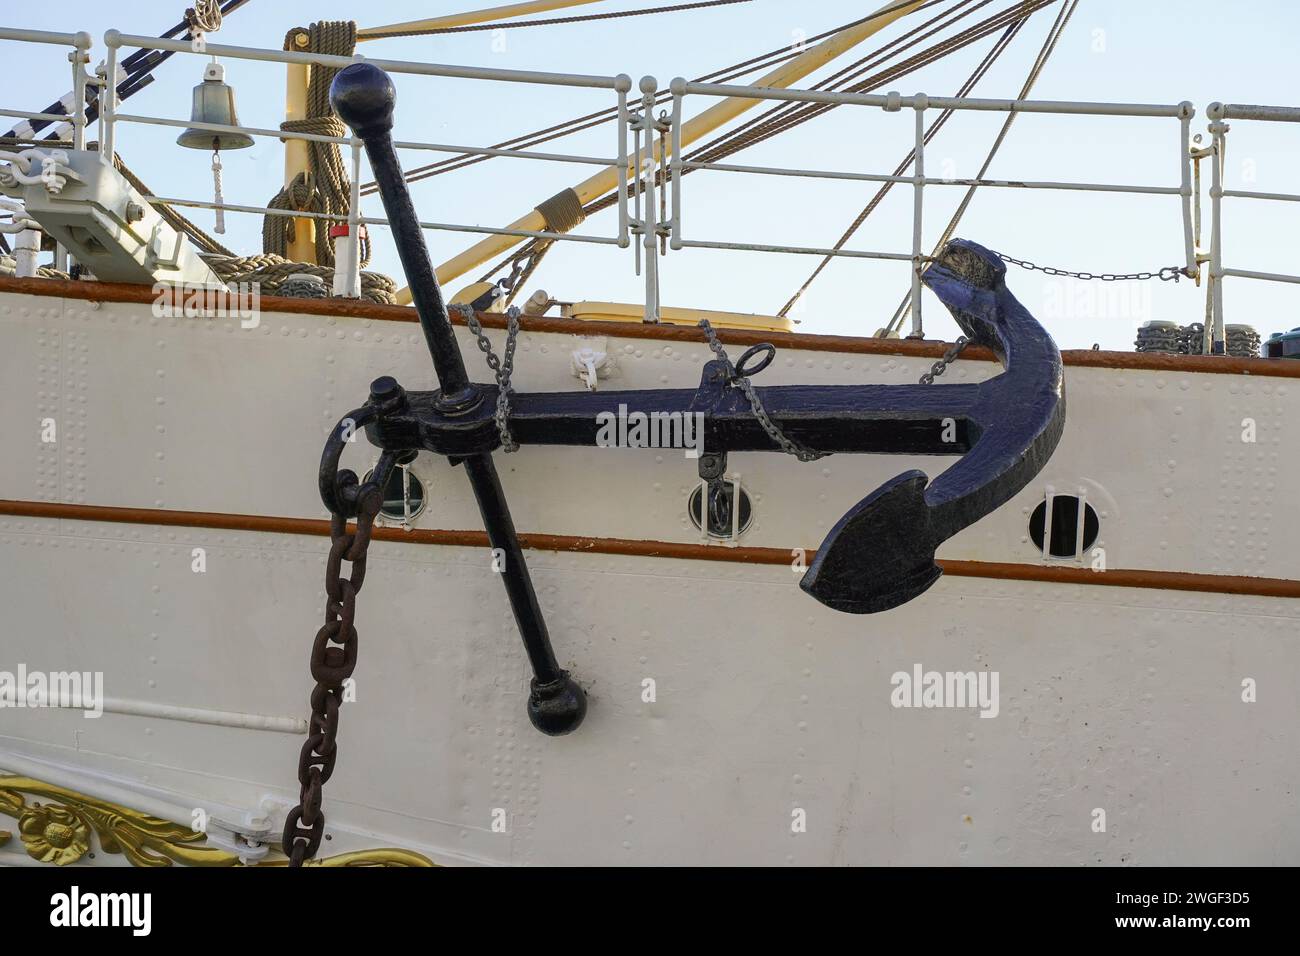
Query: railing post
79, 58
1187, 111
108, 102
1218, 130
921, 102
650, 225
352, 275
623, 83
678, 88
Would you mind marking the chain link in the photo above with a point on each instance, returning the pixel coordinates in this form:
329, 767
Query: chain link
949, 357
1164, 275
502, 367
333, 658
786, 444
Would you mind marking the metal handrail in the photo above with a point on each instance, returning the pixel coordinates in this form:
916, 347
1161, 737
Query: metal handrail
1215, 336
920, 104
657, 150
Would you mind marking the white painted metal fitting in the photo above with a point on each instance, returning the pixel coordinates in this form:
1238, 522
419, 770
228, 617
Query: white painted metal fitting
589, 361
893, 101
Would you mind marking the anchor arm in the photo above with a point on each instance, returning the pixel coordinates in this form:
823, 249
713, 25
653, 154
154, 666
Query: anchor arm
881, 553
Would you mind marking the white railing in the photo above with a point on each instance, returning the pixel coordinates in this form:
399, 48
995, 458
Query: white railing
73, 103
920, 104
647, 149
1217, 114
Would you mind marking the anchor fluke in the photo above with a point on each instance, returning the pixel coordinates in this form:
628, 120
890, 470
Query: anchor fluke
880, 554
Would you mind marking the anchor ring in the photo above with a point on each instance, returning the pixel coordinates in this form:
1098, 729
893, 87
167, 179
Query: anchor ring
743, 372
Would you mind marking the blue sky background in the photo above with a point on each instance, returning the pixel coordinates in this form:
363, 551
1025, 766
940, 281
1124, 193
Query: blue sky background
1153, 51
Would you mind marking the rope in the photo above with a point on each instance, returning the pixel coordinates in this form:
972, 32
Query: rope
578, 124
9, 267
551, 21
325, 186
204, 17
1049, 45
562, 212
272, 271
971, 82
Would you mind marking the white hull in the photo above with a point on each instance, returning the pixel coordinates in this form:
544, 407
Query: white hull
1127, 699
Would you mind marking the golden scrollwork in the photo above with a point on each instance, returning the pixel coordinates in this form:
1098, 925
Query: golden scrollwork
59, 831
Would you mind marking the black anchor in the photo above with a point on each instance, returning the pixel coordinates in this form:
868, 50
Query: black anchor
878, 556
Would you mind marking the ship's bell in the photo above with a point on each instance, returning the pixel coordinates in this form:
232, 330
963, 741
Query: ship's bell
214, 102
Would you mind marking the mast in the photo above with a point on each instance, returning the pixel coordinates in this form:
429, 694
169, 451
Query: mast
302, 248
711, 119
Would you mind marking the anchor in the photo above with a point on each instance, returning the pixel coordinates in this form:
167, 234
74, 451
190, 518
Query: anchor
878, 556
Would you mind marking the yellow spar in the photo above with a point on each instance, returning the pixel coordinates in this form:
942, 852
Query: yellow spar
711, 119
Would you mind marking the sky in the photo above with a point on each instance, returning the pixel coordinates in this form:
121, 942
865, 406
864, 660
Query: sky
1147, 51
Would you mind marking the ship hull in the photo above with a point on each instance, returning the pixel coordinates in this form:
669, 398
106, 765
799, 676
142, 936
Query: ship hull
1129, 704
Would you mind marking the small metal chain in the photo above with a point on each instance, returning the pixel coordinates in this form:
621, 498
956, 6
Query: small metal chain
787, 445
333, 658
502, 367
1164, 275
949, 357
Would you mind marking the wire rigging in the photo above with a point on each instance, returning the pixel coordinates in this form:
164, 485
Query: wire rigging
549, 21
1049, 45
725, 74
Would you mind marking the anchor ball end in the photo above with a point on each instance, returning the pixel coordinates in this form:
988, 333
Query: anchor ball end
364, 96
557, 708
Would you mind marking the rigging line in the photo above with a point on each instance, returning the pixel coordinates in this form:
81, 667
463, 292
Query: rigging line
782, 116
725, 146
749, 135
935, 52
931, 53
978, 74
1049, 45
552, 21
724, 74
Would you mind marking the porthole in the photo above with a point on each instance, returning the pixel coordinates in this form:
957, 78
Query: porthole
403, 495
1063, 541
720, 520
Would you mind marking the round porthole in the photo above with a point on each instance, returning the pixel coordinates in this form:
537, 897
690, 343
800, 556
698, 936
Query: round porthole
403, 495
1064, 539
719, 510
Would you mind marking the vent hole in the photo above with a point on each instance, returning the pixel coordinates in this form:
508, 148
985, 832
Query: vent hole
1064, 541
403, 495
720, 510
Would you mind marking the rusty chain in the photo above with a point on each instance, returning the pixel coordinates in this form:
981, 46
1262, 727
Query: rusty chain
333, 658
